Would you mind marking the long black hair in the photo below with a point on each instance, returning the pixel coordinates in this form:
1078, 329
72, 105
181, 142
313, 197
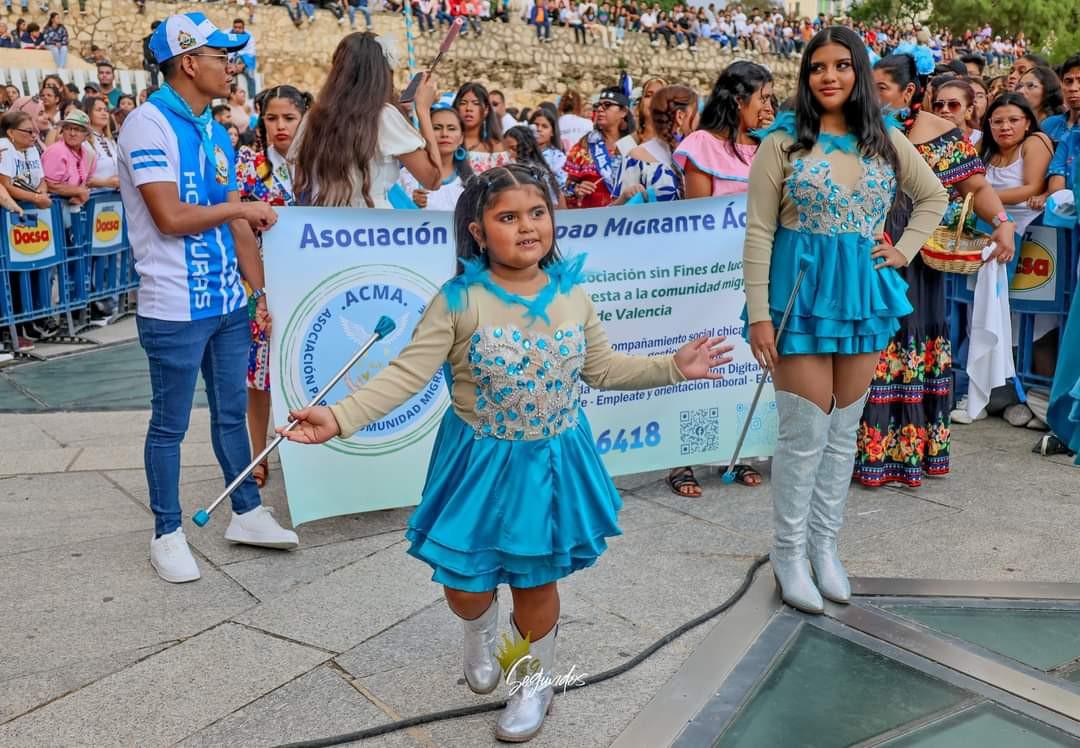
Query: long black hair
988, 147
490, 127
528, 152
861, 111
302, 100
480, 192
552, 120
462, 167
901, 69
733, 88
1053, 100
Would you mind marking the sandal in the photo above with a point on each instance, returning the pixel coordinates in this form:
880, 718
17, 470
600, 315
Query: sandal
1049, 445
747, 475
261, 474
683, 478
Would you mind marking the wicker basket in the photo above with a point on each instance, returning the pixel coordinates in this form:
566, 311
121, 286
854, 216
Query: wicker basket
953, 251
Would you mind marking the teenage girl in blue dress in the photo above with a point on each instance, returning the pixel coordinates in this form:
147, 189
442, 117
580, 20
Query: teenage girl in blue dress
821, 184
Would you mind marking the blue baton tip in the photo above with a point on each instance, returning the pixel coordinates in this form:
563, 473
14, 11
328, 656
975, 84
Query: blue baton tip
728, 477
201, 518
384, 327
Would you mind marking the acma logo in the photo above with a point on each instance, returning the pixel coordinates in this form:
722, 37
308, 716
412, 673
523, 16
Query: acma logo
106, 226
1035, 267
30, 240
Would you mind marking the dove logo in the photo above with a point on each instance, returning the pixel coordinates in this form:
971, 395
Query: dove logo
338, 318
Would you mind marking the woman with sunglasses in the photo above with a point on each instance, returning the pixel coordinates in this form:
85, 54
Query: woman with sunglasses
905, 432
594, 166
954, 101
23, 178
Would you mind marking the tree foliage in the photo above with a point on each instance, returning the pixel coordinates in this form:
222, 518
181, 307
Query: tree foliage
902, 12
1036, 18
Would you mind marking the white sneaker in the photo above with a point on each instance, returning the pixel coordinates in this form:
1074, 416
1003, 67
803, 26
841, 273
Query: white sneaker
258, 527
960, 413
172, 559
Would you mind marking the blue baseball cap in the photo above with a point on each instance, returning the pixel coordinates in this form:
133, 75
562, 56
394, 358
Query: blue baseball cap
186, 32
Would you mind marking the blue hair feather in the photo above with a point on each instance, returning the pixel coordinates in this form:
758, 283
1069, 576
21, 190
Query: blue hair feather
924, 58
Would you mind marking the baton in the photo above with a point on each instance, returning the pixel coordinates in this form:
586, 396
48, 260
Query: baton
384, 327
409, 93
804, 264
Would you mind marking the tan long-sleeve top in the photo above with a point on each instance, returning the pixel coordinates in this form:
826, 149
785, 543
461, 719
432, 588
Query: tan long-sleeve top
830, 191
511, 379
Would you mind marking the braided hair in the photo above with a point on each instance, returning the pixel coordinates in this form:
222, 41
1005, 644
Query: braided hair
665, 104
527, 151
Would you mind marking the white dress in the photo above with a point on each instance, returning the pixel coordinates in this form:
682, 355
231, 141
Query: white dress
396, 138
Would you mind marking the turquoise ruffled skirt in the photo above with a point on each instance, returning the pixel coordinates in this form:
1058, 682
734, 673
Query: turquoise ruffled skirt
522, 513
844, 305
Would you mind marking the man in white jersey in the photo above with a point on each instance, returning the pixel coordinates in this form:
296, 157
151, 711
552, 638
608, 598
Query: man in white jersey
192, 239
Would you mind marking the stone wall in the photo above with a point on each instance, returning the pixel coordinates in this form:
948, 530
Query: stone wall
505, 56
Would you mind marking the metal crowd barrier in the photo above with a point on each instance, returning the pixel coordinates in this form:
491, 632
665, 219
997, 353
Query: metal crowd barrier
1043, 279
56, 261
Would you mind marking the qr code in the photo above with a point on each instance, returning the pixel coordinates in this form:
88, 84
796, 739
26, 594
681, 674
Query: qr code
699, 430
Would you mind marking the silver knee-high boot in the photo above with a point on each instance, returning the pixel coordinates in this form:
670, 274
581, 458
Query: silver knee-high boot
802, 429
829, 499
482, 670
530, 703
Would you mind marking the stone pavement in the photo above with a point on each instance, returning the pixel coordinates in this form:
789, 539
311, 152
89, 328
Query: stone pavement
348, 631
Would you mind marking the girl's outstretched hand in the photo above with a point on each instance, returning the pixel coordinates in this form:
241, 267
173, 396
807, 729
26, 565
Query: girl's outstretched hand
697, 358
313, 426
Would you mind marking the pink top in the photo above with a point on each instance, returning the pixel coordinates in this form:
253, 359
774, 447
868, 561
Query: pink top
64, 166
712, 156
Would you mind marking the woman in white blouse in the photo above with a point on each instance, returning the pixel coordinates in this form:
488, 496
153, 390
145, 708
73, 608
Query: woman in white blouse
106, 172
349, 145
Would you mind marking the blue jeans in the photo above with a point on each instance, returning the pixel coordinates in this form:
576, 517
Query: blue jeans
177, 352
363, 9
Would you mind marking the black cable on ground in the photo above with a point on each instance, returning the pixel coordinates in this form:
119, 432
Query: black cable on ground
466, 711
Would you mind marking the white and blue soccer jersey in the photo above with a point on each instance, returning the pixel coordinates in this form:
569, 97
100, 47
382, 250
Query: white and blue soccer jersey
181, 277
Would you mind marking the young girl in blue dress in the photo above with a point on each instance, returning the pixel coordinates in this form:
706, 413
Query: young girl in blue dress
516, 492
821, 184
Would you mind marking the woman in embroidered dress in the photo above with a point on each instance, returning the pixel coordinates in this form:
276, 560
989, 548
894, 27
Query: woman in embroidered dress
594, 165
516, 492
263, 173
483, 131
649, 167
905, 431
821, 185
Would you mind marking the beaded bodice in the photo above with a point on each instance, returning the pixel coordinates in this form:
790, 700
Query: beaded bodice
526, 382
825, 206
